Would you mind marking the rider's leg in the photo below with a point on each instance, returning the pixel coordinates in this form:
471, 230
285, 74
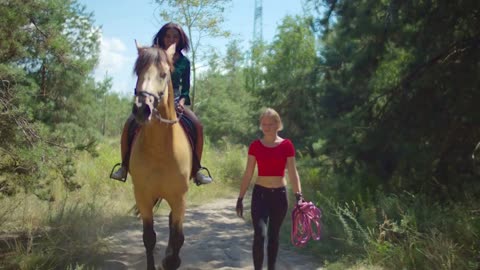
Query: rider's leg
199, 130
199, 177
121, 173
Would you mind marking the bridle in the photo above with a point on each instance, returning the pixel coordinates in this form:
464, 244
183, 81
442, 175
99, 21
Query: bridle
156, 100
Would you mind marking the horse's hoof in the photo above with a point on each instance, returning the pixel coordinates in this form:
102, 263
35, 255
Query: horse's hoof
151, 266
171, 263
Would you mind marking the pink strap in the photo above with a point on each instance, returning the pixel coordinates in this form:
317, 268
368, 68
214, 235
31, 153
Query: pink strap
304, 216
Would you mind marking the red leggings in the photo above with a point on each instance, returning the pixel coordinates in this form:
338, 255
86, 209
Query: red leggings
269, 206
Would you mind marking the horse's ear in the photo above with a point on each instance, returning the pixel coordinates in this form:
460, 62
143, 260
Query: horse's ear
138, 46
171, 52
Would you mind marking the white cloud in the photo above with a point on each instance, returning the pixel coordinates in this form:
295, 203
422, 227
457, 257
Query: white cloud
112, 56
116, 63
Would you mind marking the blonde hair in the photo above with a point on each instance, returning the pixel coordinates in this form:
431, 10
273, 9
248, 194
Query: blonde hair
269, 112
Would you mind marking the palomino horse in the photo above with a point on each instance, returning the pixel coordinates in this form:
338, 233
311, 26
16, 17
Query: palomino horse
161, 157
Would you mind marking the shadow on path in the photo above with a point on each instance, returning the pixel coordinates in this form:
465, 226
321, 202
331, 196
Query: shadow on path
215, 238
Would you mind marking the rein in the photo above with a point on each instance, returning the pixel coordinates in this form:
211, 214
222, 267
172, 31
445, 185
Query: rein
163, 120
303, 215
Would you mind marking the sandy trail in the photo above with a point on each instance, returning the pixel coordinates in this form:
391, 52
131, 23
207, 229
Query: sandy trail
215, 238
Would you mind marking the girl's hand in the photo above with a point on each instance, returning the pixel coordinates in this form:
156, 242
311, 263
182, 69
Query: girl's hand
299, 198
239, 207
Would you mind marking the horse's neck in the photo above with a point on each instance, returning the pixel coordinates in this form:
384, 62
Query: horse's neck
157, 137
167, 109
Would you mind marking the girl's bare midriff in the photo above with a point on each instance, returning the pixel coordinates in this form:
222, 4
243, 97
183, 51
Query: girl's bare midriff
271, 181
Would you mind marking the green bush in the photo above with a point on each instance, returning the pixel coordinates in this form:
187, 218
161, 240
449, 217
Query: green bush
390, 231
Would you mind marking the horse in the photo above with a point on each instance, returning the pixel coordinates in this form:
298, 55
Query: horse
161, 157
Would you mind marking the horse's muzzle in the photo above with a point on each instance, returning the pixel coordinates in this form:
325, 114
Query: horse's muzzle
143, 108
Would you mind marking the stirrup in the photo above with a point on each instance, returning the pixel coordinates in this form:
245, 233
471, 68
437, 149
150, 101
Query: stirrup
196, 180
113, 169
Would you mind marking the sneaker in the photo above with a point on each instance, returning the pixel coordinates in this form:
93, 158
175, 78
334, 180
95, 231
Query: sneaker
201, 179
120, 174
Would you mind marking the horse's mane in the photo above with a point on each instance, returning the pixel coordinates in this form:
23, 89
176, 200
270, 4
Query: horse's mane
148, 56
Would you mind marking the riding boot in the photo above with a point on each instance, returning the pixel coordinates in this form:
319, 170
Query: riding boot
200, 177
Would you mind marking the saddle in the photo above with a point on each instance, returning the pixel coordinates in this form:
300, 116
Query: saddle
190, 130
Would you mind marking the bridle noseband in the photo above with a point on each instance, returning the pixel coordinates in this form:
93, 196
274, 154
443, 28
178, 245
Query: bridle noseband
143, 93
156, 100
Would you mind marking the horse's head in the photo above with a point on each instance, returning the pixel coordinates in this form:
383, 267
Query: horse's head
154, 88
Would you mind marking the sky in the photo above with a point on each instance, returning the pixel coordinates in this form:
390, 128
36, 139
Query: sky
123, 21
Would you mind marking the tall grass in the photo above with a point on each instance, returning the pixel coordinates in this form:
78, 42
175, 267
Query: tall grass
426, 235
226, 164
392, 231
70, 230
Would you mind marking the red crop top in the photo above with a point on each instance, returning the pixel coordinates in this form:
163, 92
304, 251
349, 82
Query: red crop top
271, 160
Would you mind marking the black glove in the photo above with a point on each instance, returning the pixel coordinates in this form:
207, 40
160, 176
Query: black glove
239, 207
299, 197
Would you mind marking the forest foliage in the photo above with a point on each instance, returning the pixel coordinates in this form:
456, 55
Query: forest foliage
51, 106
379, 97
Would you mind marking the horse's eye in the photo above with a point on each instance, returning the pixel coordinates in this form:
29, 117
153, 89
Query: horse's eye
163, 75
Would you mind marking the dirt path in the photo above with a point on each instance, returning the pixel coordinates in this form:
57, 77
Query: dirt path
215, 238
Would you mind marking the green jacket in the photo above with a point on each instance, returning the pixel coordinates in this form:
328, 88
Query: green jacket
181, 78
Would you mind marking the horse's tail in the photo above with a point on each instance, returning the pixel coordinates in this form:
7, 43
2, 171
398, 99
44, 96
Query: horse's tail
136, 213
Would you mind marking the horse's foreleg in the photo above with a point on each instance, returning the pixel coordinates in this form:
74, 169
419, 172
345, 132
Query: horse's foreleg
176, 237
149, 241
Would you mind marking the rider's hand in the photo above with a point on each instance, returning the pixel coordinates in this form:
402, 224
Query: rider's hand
239, 207
181, 105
